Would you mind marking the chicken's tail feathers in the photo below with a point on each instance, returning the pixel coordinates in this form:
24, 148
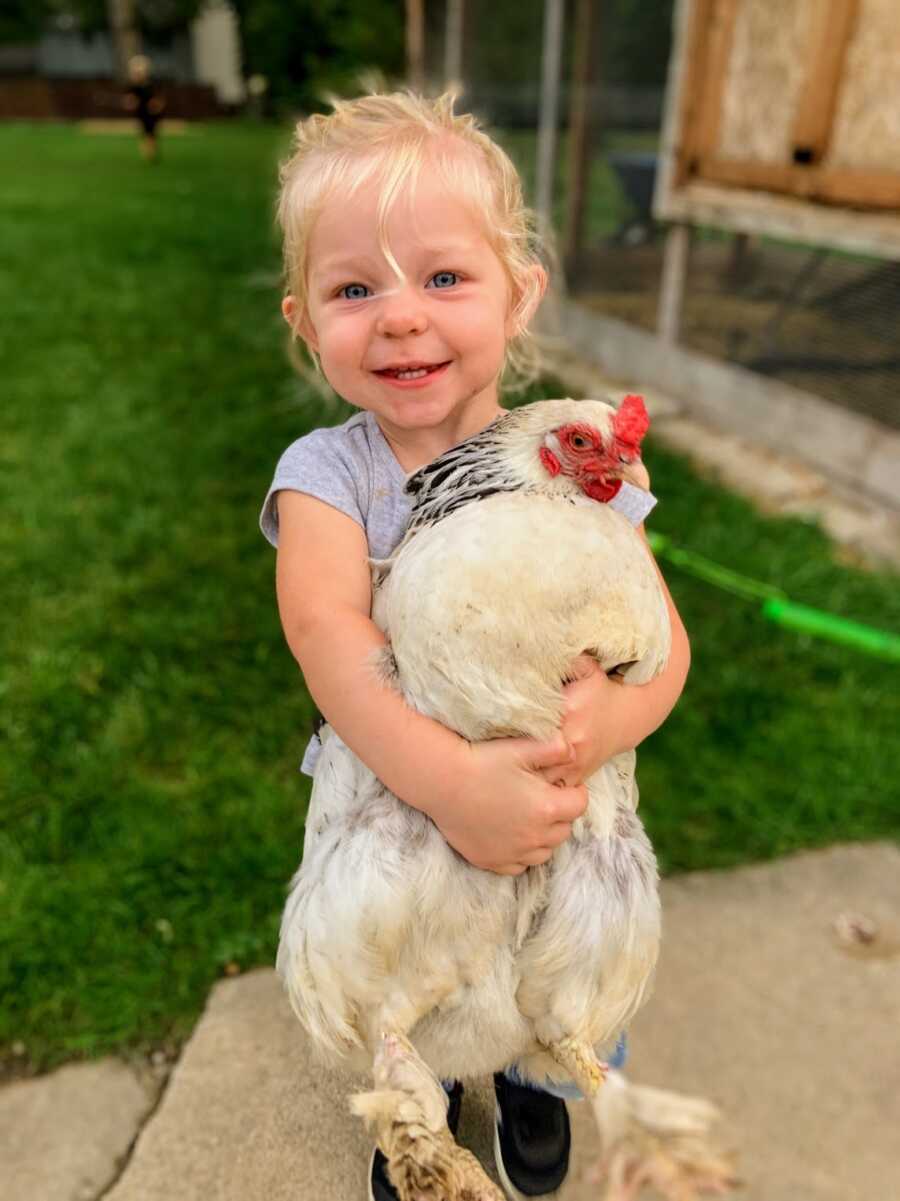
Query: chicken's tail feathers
333, 1030
333, 1035
652, 1136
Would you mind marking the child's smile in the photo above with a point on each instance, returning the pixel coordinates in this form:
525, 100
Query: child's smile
413, 377
422, 350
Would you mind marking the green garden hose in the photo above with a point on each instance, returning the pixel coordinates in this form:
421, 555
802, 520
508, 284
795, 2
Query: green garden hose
777, 607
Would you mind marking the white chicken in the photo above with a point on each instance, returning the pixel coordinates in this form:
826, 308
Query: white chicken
398, 953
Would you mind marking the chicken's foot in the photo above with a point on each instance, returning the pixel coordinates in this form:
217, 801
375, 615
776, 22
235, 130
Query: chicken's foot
408, 1111
657, 1138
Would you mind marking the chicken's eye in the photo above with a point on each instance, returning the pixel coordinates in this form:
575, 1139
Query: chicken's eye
579, 442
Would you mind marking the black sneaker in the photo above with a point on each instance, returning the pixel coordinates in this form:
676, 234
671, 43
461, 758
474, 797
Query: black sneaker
532, 1138
380, 1187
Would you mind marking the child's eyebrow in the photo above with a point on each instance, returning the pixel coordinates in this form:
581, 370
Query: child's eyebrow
460, 247
343, 263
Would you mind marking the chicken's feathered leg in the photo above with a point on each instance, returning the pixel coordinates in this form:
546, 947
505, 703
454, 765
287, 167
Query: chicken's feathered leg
658, 1138
408, 1111
580, 1060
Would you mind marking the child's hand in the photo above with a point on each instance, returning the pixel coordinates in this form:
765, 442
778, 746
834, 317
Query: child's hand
505, 815
590, 724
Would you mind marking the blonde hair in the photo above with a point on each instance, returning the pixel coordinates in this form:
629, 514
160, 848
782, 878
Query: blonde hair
385, 138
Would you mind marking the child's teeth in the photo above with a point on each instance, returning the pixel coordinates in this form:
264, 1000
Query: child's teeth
417, 374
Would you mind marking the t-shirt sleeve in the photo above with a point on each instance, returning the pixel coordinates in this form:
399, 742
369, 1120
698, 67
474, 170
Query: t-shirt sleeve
633, 503
319, 465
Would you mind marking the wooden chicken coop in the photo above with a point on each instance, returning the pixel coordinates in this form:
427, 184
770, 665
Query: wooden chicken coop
782, 119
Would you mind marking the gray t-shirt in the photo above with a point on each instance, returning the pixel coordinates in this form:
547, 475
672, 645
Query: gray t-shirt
352, 468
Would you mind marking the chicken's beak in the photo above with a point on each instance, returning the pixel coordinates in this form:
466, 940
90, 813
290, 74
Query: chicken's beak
634, 472
604, 476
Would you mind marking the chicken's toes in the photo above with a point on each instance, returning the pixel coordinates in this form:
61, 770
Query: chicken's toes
625, 1175
661, 1139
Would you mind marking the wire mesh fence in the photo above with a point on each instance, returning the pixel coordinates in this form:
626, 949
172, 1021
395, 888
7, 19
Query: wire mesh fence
820, 319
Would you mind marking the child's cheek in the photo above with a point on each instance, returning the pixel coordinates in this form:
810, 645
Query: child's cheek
342, 345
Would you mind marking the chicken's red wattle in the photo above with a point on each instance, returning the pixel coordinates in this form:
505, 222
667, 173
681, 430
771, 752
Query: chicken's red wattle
602, 490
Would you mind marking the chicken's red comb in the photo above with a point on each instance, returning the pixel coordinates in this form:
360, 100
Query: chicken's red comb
631, 421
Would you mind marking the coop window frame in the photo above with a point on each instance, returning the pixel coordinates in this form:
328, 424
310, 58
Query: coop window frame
709, 42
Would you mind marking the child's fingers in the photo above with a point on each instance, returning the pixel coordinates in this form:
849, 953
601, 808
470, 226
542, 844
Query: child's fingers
569, 804
565, 776
552, 753
557, 835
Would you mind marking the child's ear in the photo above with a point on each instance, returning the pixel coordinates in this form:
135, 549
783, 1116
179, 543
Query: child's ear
304, 327
526, 303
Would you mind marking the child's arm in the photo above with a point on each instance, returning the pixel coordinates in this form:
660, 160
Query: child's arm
488, 799
606, 716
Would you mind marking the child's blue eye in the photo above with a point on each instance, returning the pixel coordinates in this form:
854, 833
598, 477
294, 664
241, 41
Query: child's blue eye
448, 277
348, 289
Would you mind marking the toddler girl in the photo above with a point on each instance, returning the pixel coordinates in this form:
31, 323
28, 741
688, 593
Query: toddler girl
412, 272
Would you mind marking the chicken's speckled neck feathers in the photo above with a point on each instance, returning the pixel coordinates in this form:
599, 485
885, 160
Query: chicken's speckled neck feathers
468, 472
504, 457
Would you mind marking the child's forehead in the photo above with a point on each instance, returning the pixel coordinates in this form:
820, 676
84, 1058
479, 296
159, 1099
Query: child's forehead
426, 219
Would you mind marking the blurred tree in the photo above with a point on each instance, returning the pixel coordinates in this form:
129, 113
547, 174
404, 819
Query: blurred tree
503, 42
636, 41
308, 47
415, 44
21, 21
122, 22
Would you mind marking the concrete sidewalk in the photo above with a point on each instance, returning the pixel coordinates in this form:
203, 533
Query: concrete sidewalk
778, 997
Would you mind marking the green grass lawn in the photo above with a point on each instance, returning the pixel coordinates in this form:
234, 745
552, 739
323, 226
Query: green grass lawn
152, 719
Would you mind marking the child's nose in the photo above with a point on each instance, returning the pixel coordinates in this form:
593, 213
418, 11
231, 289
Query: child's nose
401, 313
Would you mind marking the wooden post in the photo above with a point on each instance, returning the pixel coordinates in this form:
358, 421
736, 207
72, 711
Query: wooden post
671, 288
832, 28
740, 261
453, 43
710, 77
415, 45
584, 36
546, 149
